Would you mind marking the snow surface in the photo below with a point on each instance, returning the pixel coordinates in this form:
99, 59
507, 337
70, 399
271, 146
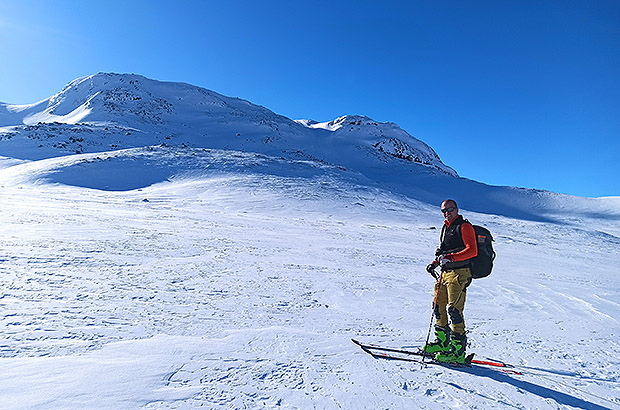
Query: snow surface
200, 275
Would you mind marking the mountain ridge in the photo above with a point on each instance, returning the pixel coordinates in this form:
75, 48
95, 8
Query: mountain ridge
180, 113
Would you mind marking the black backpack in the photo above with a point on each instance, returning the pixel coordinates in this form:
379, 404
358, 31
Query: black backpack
482, 264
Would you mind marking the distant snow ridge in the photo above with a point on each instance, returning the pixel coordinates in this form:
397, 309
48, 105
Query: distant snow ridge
116, 111
387, 138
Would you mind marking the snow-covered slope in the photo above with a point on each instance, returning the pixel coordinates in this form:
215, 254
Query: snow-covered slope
240, 286
166, 247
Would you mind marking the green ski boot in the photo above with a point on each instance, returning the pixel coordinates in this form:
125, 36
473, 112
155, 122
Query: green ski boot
458, 344
442, 341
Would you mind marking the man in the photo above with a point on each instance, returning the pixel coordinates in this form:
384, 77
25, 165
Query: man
458, 246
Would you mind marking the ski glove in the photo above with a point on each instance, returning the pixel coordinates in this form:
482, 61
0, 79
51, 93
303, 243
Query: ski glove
430, 268
444, 259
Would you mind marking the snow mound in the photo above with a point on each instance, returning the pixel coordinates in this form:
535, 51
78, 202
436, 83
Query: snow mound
136, 168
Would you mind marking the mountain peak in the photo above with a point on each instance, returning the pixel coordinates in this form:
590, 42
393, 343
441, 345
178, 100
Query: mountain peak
343, 121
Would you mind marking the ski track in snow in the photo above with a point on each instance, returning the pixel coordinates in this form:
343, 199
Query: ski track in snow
243, 291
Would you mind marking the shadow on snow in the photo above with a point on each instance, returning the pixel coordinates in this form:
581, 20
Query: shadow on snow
538, 390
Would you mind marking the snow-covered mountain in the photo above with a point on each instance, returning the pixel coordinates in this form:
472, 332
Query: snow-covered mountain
112, 111
167, 247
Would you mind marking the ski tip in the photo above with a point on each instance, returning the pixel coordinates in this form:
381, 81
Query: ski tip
356, 342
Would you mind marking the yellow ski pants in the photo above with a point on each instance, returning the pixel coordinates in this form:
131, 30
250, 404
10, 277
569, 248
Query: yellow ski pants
450, 298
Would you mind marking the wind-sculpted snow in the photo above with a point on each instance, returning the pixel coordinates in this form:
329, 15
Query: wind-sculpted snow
135, 168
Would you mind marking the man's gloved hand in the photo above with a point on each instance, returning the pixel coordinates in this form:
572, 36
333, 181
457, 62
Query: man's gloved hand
443, 259
430, 268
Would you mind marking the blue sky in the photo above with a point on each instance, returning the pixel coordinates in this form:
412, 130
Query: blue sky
511, 92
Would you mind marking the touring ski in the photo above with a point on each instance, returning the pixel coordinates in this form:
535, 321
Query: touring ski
383, 352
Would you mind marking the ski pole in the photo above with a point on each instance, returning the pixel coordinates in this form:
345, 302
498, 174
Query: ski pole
428, 334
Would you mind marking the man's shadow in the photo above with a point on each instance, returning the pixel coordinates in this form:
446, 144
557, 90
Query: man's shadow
541, 391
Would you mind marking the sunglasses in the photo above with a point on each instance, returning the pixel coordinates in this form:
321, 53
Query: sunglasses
451, 209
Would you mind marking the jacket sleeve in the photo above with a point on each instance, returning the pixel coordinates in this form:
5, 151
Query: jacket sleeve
471, 245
